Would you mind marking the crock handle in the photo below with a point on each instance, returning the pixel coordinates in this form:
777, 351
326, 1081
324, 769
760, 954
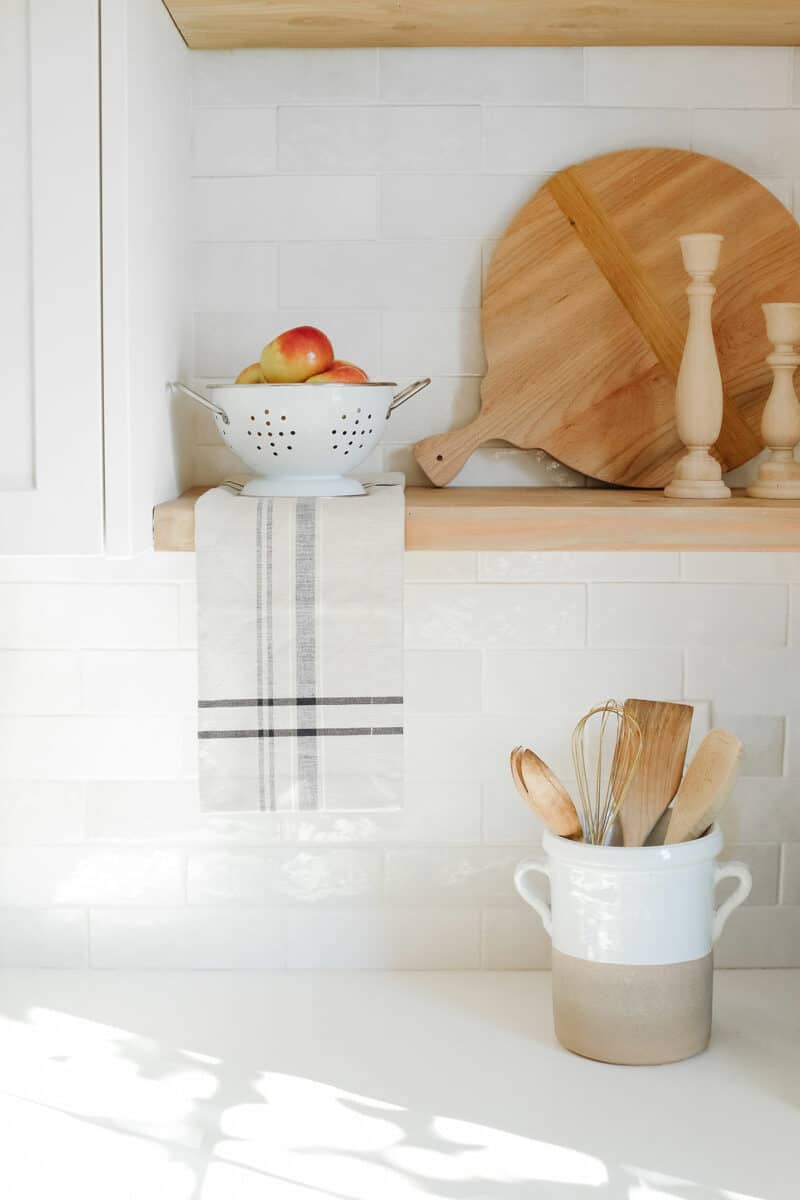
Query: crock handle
177, 386
730, 870
532, 894
406, 394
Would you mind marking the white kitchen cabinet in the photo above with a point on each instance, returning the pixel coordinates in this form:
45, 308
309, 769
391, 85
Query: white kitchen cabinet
95, 141
51, 464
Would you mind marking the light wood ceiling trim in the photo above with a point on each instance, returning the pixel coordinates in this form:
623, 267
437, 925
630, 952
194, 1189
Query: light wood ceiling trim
227, 24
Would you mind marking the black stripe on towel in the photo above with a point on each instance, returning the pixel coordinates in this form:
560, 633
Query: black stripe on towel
286, 701
367, 730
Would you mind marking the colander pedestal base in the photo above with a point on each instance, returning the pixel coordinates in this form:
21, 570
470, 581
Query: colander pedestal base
304, 485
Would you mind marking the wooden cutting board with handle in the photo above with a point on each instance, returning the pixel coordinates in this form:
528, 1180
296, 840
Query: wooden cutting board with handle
585, 313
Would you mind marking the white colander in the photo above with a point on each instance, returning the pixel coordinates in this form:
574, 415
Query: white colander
303, 439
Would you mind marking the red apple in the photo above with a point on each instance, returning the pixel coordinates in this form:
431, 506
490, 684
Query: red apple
251, 374
296, 355
341, 372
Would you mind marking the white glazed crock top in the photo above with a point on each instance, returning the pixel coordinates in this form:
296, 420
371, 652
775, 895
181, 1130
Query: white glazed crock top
635, 858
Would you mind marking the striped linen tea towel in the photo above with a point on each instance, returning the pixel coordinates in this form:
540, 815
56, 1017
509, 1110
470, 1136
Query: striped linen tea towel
300, 650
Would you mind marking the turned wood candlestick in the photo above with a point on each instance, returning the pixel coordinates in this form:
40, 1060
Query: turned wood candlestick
779, 475
698, 393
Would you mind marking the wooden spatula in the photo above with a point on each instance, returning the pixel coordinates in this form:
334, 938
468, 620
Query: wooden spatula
665, 736
705, 787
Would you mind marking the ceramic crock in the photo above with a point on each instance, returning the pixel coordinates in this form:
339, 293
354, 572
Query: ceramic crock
633, 931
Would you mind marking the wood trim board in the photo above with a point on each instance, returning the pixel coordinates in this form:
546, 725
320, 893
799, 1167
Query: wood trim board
557, 519
227, 24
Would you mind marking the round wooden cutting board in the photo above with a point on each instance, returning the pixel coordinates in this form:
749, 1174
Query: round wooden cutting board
585, 314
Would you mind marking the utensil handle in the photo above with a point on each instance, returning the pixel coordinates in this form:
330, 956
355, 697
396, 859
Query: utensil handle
406, 394
730, 870
177, 386
531, 894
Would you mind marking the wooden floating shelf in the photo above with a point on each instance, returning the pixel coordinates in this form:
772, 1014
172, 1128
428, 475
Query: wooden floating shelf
227, 24
557, 519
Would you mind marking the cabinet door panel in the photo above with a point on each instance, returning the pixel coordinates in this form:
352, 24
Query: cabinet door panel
51, 466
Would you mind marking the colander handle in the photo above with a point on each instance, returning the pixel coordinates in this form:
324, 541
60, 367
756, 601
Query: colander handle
406, 394
177, 386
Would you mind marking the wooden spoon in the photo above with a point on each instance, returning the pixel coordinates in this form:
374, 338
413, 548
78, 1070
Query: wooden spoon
706, 786
665, 736
544, 793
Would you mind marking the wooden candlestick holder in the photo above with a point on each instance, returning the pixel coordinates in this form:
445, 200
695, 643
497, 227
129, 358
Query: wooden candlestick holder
698, 393
779, 475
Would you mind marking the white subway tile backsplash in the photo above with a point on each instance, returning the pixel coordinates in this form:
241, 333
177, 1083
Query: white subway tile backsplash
504, 466
760, 937
190, 938
506, 817
545, 728
91, 747
66, 616
305, 876
41, 812
444, 206
43, 937
284, 208
442, 681
434, 812
762, 810
442, 748
234, 141
764, 862
460, 876
127, 681
234, 277
389, 139
388, 939
373, 214
447, 404
212, 464
514, 940
518, 615
685, 614
485, 74
446, 342
761, 141
39, 682
707, 76
39, 876
405, 275
747, 681
440, 566
266, 77
143, 811
567, 566
740, 566
579, 678
790, 874
762, 737
547, 139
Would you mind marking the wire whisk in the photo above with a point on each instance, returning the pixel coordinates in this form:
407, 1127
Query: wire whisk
604, 773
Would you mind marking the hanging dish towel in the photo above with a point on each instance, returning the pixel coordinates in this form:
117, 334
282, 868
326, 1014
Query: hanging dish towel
300, 637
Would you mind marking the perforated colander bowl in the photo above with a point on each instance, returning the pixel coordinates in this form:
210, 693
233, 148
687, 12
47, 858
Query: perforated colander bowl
303, 439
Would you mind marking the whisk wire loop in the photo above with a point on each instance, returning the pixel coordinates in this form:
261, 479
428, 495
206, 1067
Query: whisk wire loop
602, 790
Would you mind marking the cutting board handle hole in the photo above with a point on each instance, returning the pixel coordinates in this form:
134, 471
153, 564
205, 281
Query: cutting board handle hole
440, 458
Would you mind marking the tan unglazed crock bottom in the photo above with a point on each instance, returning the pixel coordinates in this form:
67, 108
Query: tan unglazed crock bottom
635, 1015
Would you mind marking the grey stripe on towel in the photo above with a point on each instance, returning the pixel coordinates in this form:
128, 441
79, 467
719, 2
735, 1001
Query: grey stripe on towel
306, 617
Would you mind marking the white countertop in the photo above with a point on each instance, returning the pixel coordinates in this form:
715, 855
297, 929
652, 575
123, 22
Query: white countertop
366, 1086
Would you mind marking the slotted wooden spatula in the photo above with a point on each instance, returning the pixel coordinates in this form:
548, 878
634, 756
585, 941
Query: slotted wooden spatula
705, 787
665, 736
